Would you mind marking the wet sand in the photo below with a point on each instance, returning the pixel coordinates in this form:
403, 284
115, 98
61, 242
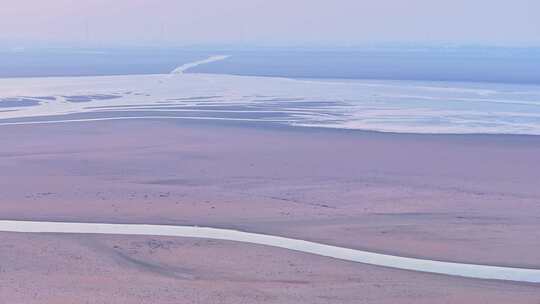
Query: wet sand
472, 199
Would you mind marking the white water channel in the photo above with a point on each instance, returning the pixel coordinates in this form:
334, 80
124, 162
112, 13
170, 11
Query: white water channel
377, 105
397, 262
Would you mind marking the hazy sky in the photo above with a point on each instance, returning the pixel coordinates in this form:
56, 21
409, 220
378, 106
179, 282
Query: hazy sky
282, 22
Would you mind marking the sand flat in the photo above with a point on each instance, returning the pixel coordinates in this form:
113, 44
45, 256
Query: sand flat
471, 199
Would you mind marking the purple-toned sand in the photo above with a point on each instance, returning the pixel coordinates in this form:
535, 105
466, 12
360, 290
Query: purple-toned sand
468, 198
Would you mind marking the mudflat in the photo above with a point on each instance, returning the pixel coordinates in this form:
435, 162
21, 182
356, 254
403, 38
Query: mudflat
464, 198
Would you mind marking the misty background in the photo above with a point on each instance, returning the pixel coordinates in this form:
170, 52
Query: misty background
458, 40
262, 22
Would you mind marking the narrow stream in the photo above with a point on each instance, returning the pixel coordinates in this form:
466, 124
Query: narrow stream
397, 262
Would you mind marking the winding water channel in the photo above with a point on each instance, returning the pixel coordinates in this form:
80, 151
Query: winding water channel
371, 258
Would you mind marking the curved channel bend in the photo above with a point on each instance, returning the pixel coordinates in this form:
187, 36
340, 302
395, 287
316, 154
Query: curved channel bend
341, 253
